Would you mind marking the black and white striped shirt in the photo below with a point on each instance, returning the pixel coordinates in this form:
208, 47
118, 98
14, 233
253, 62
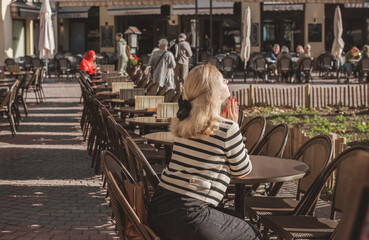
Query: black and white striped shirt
201, 167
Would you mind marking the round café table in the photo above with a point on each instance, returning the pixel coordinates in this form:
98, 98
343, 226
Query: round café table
147, 123
265, 169
162, 138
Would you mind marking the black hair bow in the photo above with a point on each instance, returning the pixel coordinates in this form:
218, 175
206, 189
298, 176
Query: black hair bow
184, 108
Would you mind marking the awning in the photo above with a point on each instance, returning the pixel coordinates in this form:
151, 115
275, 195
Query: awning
24, 10
203, 8
275, 6
357, 5
134, 10
63, 3
73, 12
300, 1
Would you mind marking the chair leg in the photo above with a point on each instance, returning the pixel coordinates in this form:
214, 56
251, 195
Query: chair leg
24, 106
12, 124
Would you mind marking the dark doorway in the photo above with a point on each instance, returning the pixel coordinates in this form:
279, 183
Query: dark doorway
283, 28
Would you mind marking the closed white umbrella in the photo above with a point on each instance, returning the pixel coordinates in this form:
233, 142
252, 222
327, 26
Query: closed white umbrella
246, 44
46, 44
338, 42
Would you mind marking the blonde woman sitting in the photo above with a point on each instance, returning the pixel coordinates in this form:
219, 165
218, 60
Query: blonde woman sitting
208, 150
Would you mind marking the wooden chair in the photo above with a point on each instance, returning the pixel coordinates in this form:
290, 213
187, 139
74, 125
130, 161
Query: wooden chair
272, 145
284, 66
147, 174
176, 96
213, 61
152, 89
253, 131
116, 174
36, 63
7, 107
169, 95
32, 84
300, 225
260, 69
149, 151
273, 142
162, 91
228, 66
316, 153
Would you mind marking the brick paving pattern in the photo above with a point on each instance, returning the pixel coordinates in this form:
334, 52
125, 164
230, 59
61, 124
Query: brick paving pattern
47, 188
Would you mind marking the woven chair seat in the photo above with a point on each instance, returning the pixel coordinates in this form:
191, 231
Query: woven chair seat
153, 156
267, 206
292, 227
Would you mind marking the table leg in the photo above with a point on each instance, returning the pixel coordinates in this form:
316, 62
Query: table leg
168, 153
239, 199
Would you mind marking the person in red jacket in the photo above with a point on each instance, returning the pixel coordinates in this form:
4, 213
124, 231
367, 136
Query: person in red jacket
87, 63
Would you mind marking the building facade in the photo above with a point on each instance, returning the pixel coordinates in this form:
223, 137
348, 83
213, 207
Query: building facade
83, 25
20, 21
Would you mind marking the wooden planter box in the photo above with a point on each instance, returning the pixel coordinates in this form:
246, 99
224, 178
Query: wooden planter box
111, 80
105, 76
143, 102
166, 110
107, 68
126, 94
117, 86
13, 68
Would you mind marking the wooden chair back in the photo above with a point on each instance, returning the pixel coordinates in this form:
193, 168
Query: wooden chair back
146, 173
176, 96
253, 131
273, 142
168, 95
162, 91
116, 174
153, 89
316, 153
128, 162
344, 165
126, 94
107, 68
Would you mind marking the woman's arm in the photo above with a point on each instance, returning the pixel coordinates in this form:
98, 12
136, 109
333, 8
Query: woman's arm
236, 153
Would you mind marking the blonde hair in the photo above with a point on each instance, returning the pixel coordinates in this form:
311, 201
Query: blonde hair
201, 88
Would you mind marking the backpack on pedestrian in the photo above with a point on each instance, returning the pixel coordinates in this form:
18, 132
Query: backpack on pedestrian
175, 50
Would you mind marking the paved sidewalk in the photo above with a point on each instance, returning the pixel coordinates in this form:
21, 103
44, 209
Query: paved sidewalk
47, 188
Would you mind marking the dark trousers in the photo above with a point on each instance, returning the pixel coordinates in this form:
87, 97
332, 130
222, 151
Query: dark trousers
174, 216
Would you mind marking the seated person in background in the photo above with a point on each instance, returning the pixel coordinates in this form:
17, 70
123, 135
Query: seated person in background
299, 50
364, 55
87, 64
285, 53
208, 150
305, 54
272, 58
354, 53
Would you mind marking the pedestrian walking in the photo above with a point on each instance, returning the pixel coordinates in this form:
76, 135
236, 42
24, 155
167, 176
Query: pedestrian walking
184, 53
162, 64
122, 54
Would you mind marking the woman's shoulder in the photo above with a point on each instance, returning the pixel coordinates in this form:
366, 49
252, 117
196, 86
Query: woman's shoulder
227, 124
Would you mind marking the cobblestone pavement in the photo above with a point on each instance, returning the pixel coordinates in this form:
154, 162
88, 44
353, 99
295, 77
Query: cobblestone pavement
47, 188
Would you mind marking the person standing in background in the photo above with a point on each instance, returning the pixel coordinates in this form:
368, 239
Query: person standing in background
122, 54
162, 64
185, 52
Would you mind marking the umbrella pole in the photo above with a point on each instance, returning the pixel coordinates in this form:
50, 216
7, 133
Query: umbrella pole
47, 67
